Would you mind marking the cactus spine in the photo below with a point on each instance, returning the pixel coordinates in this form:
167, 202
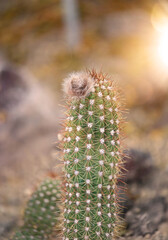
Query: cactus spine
42, 212
91, 157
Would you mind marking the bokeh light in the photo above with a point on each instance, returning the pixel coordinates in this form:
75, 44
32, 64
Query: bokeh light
163, 47
160, 22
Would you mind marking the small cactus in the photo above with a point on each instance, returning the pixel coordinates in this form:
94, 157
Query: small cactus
42, 213
92, 157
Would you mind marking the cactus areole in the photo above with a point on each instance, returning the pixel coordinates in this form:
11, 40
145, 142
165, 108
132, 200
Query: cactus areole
91, 157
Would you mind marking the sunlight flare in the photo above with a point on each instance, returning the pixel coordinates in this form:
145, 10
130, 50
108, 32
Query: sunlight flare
163, 46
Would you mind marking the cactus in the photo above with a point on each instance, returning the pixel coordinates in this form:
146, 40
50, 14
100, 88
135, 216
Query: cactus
42, 212
92, 157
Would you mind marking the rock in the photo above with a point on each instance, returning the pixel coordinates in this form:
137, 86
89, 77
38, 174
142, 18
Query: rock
139, 165
12, 88
8, 219
147, 213
144, 218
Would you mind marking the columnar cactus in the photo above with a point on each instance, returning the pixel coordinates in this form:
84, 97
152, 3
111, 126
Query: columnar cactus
42, 212
91, 157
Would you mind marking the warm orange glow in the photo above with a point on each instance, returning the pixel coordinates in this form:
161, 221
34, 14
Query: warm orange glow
159, 17
159, 20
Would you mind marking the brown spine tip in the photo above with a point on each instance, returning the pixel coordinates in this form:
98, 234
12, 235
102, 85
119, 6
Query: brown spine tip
78, 84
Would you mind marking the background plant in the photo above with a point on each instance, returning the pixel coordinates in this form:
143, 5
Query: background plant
42, 214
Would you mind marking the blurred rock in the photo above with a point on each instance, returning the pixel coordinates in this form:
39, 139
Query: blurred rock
12, 88
30, 107
139, 165
146, 216
9, 216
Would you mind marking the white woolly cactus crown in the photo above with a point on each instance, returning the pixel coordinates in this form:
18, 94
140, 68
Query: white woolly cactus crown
78, 84
92, 158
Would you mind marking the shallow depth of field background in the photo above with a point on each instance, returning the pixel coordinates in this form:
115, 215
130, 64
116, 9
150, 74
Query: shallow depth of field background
39, 47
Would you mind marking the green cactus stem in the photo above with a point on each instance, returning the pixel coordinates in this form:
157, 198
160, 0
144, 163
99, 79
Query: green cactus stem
92, 157
42, 214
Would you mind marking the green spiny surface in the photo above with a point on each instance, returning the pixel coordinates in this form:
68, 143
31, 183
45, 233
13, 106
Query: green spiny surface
92, 160
42, 212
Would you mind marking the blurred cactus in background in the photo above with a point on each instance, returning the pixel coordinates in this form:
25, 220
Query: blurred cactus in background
92, 157
42, 214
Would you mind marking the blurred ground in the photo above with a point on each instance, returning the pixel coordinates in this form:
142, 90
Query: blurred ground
118, 38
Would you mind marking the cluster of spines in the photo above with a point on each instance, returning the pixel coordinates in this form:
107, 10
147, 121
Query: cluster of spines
42, 214
92, 163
